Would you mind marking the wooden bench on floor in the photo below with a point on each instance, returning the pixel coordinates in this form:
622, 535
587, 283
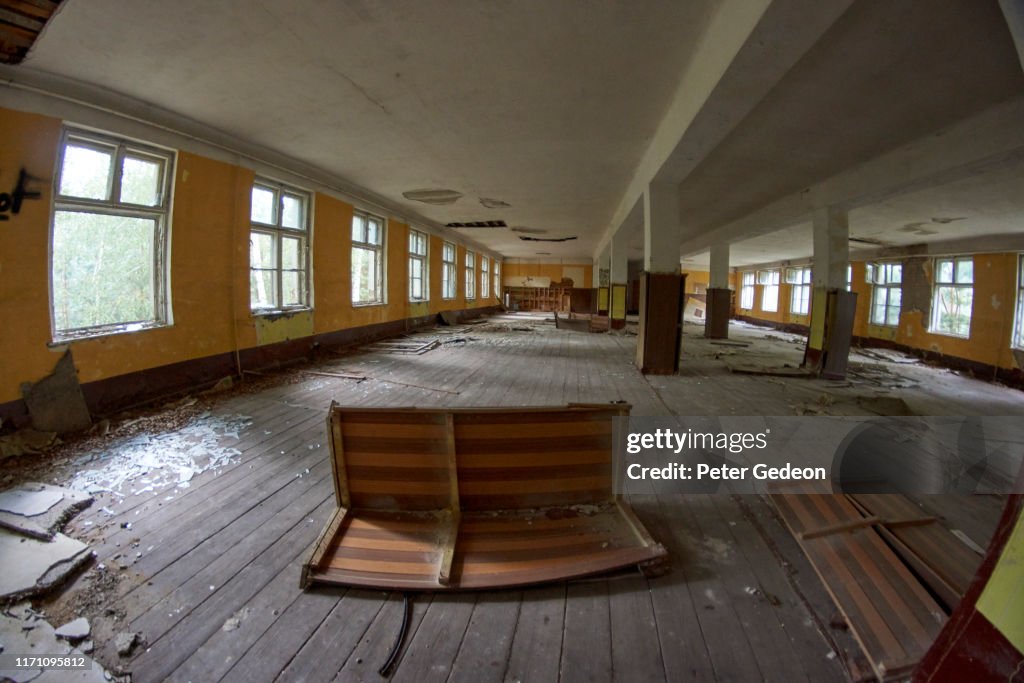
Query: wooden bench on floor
471, 498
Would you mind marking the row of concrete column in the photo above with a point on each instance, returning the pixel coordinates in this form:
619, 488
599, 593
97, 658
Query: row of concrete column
663, 232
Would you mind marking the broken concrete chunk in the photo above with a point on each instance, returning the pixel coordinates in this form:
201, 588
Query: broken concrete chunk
19, 509
30, 499
74, 630
56, 402
32, 566
125, 642
22, 631
26, 441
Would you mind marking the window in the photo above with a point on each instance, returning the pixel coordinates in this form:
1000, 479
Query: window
278, 253
485, 277
418, 266
849, 278
448, 271
953, 296
1018, 337
770, 294
800, 296
108, 251
470, 275
367, 259
497, 279
747, 291
886, 293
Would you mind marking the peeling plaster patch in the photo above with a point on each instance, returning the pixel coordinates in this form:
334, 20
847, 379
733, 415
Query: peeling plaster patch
996, 303
1018, 356
271, 329
494, 203
435, 197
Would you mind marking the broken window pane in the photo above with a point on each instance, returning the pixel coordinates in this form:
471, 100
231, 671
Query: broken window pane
104, 270
140, 181
263, 205
86, 172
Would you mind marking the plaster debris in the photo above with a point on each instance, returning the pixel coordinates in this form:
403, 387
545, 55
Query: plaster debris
78, 629
56, 402
19, 509
125, 642
40, 565
25, 442
25, 631
30, 500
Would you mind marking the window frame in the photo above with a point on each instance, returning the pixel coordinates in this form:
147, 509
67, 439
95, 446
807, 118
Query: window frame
380, 263
800, 292
747, 290
884, 279
449, 273
497, 278
470, 262
485, 275
1017, 341
769, 283
424, 260
955, 284
279, 232
119, 148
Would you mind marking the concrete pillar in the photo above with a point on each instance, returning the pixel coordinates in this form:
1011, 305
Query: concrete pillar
602, 279
719, 302
662, 228
619, 278
832, 307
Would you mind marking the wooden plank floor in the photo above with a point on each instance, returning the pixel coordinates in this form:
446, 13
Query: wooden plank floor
210, 575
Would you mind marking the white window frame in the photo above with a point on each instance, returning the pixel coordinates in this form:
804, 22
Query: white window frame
119, 148
485, 277
419, 255
747, 290
957, 284
470, 275
1018, 337
886, 280
363, 242
449, 283
497, 279
800, 294
770, 294
279, 233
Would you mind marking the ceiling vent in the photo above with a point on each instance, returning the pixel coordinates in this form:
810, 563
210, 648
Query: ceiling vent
435, 197
494, 203
478, 224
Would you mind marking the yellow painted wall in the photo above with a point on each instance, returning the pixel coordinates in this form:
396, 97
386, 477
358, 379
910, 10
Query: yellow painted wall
555, 271
209, 278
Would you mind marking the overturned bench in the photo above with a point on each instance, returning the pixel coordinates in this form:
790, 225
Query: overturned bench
473, 498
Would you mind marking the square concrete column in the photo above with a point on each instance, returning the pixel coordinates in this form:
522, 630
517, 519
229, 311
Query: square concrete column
662, 228
602, 279
619, 276
832, 307
661, 284
719, 296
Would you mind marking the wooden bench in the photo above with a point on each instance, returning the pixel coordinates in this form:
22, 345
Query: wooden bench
445, 499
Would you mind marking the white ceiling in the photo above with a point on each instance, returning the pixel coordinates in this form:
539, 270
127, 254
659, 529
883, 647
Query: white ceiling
544, 105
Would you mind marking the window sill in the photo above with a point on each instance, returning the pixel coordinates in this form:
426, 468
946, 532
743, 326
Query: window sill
419, 301
368, 304
952, 335
107, 331
278, 312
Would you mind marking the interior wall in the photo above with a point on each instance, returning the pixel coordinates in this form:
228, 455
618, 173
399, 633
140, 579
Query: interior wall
209, 271
555, 271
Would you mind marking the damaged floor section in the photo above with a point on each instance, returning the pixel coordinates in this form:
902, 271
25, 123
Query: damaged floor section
201, 524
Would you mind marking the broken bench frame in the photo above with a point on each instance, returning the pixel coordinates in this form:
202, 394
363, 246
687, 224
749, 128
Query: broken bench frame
472, 498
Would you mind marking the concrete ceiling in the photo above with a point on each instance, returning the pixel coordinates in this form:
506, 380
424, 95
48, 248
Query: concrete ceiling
546, 106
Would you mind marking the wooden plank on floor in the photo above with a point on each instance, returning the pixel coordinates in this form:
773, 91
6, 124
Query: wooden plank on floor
431, 651
587, 638
537, 642
636, 652
372, 651
483, 655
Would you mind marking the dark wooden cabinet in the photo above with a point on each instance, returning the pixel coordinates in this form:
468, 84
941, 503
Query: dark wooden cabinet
661, 323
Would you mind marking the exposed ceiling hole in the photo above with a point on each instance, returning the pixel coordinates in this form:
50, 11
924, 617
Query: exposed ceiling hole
435, 197
546, 239
494, 203
543, 253
912, 227
945, 221
478, 224
529, 231
867, 240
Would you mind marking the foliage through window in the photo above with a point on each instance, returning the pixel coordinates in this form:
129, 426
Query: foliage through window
800, 294
470, 275
278, 247
497, 279
886, 293
1018, 337
485, 277
448, 282
367, 258
110, 235
418, 288
747, 291
953, 296
770, 294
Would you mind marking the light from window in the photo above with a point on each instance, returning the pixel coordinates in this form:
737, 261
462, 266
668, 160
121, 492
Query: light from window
747, 291
367, 258
849, 278
278, 254
800, 295
418, 266
497, 279
953, 296
470, 275
448, 282
770, 293
485, 277
109, 239
886, 293
1018, 337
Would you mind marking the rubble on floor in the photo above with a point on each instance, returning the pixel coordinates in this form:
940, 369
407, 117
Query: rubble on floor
39, 510
24, 631
39, 565
26, 441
